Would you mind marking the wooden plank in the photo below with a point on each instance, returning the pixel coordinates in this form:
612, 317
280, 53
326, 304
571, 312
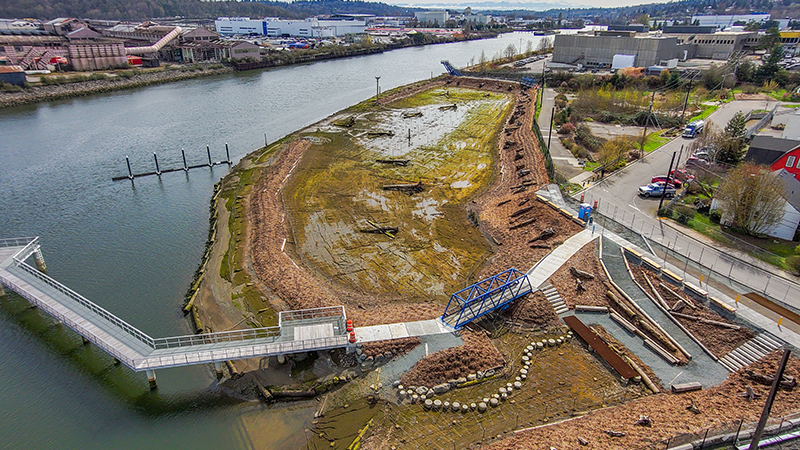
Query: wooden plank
622, 368
686, 387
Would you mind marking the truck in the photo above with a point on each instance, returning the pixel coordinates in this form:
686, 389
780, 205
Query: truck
693, 129
656, 190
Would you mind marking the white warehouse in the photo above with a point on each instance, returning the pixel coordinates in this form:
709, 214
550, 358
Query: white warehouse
272, 26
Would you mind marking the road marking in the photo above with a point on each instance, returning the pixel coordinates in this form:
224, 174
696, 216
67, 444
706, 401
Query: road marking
634, 207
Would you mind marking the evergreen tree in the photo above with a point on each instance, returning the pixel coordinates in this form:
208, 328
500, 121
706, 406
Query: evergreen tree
736, 127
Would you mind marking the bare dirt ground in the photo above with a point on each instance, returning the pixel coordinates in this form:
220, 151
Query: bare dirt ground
718, 406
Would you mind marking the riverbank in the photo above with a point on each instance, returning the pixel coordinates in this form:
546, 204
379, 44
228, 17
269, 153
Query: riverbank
46, 93
122, 80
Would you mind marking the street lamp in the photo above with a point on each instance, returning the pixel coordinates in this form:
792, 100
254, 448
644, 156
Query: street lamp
377, 89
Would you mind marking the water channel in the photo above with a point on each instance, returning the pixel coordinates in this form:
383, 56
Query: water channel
133, 248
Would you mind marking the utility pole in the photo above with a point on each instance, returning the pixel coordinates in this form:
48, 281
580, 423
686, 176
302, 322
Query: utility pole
377, 89
646, 122
686, 100
770, 399
664, 192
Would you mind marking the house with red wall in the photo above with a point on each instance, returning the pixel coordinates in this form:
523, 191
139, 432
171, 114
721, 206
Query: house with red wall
777, 153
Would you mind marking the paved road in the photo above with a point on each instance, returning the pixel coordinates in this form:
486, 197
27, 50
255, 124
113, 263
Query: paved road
562, 158
620, 188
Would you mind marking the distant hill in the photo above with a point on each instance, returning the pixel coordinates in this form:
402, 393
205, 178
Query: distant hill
147, 9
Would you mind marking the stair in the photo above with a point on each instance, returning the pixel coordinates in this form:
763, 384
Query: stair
554, 298
749, 352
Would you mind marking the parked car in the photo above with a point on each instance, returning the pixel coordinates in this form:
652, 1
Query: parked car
682, 175
656, 190
673, 182
695, 161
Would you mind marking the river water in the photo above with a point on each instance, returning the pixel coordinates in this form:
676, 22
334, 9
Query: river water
133, 248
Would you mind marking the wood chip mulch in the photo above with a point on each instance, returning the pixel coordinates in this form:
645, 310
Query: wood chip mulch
533, 310
477, 353
397, 346
721, 405
719, 340
566, 283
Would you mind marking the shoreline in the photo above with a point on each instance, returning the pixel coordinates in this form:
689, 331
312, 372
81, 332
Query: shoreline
168, 74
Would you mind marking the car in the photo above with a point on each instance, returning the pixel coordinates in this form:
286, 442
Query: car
672, 181
698, 162
656, 190
682, 174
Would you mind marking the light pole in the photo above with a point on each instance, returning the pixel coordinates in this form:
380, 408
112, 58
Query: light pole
377, 89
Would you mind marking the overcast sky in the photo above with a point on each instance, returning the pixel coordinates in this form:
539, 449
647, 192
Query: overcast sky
536, 5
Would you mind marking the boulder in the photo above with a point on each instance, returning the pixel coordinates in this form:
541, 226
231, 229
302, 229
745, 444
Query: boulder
441, 388
472, 377
422, 390
494, 402
481, 407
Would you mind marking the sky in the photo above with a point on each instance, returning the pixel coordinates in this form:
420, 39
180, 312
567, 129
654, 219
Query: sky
536, 5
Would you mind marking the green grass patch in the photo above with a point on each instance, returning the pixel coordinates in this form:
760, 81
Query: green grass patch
707, 111
654, 141
590, 165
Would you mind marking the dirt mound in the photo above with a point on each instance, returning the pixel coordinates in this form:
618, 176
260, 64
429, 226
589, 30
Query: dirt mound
396, 346
533, 310
477, 353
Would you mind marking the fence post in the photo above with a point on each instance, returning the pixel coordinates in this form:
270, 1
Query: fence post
703, 444
736, 439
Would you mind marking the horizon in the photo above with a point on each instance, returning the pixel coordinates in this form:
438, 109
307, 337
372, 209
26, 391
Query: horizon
538, 6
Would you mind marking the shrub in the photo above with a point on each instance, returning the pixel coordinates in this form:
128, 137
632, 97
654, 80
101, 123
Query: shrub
665, 212
716, 215
683, 214
567, 128
793, 263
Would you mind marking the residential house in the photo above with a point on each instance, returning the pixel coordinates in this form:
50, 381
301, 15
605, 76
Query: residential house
777, 153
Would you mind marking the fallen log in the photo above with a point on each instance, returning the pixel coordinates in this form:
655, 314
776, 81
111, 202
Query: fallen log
396, 162
708, 321
610, 295
523, 224
504, 202
787, 382
294, 394
518, 156
374, 134
546, 233
522, 211
581, 274
408, 188
523, 172
655, 291
408, 115
524, 184
676, 295
346, 123
523, 202
448, 107
544, 246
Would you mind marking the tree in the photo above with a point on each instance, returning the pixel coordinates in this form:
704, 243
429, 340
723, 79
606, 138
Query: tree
643, 19
545, 45
770, 67
482, 61
752, 26
770, 39
745, 71
615, 149
510, 51
751, 198
736, 127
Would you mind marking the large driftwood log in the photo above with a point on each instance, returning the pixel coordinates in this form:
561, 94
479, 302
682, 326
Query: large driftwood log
581, 274
546, 233
522, 211
522, 224
787, 382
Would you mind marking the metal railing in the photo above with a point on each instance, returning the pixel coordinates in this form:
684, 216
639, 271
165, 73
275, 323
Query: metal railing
312, 313
16, 242
78, 328
26, 251
721, 263
124, 326
271, 333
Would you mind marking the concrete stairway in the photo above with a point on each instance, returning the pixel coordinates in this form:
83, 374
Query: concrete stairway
749, 352
554, 298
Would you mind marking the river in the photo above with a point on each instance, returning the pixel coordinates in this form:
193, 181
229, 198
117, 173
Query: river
133, 247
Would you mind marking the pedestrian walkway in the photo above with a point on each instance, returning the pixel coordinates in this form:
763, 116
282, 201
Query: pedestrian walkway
402, 330
562, 158
749, 352
546, 267
552, 296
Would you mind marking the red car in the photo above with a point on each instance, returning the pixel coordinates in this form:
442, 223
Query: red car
673, 181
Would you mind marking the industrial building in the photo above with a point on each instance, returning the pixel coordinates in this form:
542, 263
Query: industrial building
599, 50
728, 20
308, 28
432, 18
719, 45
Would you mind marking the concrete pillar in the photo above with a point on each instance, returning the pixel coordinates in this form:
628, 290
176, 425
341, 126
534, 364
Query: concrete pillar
151, 378
39, 259
218, 369
281, 359
85, 341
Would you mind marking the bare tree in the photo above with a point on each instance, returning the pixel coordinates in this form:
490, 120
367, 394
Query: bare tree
482, 61
751, 198
545, 45
510, 51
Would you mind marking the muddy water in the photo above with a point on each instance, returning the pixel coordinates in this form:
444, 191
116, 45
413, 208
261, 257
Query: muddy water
337, 200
